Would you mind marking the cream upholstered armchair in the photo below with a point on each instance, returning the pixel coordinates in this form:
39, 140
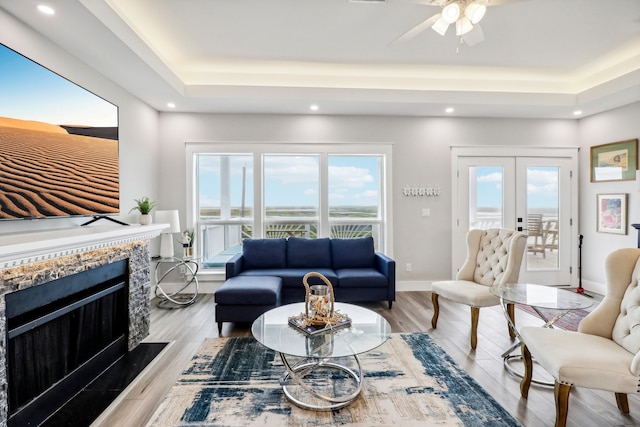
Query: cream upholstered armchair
494, 257
605, 352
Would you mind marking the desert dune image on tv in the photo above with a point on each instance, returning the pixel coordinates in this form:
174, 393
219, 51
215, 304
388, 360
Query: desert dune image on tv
58, 144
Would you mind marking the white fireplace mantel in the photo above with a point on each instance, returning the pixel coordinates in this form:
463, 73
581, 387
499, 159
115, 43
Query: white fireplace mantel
29, 247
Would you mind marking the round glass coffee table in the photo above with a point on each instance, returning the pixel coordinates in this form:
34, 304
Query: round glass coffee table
536, 297
312, 360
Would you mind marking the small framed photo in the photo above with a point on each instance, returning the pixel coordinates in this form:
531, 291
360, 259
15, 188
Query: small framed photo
612, 213
617, 161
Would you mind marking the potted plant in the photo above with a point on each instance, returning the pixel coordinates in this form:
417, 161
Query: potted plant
192, 236
144, 206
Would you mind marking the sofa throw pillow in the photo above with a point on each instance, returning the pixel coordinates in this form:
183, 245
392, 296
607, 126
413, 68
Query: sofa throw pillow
264, 253
308, 253
352, 253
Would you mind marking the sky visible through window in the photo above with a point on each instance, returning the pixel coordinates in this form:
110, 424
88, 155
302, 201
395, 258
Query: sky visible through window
293, 180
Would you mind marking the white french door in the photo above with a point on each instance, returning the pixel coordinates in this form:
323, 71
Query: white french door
526, 192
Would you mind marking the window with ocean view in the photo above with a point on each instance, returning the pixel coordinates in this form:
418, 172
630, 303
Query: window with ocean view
283, 194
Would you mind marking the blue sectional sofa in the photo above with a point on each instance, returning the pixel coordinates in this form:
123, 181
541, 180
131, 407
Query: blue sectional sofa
356, 272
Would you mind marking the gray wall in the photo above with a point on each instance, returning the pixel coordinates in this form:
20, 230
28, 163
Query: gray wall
613, 126
138, 133
421, 155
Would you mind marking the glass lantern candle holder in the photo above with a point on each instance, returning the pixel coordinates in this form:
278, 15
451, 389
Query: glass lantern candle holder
319, 300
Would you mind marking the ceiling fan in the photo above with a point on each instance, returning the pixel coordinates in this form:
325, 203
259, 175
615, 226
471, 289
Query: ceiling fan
465, 15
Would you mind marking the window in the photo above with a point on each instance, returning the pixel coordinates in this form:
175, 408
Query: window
355, 189
291, 195
280, 190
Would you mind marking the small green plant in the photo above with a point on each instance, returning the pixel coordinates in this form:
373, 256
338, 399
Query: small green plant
192, 235
143, 205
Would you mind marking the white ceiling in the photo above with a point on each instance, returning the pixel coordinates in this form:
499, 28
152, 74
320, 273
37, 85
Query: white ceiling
540, 58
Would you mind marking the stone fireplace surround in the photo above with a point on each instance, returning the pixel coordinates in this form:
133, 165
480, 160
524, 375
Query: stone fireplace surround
34, 259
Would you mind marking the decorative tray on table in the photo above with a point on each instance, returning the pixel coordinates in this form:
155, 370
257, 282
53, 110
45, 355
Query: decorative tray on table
300, 323
319, 315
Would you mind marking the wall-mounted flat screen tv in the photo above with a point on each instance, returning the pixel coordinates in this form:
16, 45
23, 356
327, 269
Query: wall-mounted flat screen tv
58, 145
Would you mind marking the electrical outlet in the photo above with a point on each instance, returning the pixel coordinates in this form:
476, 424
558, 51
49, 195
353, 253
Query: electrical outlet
408, 267
426, 212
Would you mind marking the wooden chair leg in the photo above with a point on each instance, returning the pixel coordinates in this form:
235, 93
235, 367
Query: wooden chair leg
528, 371
436, 309
475, 315
561, 394
511, 310
623, 402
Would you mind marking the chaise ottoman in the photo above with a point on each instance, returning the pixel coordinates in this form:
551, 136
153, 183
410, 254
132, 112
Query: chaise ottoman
245, 298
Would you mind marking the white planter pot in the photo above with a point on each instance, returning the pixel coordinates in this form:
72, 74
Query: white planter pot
145, 219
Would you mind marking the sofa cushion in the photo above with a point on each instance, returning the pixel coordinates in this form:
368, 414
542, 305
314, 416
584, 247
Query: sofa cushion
361, 278
292, 277
308, 253
264, 253
352, 253
250, 290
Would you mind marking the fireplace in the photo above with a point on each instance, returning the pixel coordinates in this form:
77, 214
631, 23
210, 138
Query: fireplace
61, 337
71, 303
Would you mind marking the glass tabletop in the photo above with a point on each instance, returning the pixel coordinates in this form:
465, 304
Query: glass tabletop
368, 330
541, 296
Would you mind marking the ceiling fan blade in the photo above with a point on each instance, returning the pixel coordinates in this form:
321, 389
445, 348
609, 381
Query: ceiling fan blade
427, 23
475, 36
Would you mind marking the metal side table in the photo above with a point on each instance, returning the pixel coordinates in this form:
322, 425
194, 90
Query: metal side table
186, 269
536, 297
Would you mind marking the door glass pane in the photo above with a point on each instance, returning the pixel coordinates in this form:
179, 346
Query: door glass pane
485, 197
542, 217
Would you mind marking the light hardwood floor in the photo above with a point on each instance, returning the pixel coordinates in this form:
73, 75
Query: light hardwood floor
187, 328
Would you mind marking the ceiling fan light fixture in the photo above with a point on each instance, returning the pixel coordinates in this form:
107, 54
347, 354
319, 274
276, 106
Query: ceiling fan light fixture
451, 12
440, 26
463, 26
475, 12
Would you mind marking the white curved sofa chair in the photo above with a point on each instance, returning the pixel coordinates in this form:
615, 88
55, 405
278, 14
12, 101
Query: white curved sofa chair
494, 257
605, 352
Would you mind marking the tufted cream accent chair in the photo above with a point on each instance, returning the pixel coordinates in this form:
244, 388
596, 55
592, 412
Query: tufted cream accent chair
604, 353
494, 257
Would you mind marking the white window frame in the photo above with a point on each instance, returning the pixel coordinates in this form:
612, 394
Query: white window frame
258, 149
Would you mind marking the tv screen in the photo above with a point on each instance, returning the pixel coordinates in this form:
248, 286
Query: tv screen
58, 145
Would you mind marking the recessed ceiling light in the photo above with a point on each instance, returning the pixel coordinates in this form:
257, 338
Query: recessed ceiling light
449, 110
171, 105
577, 113
313, 107
47, 10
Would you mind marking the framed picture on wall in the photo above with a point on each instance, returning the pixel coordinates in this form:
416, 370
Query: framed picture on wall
612, 213
617, 161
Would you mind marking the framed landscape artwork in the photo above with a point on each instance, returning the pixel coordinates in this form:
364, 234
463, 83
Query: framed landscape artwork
612, 213
617, 161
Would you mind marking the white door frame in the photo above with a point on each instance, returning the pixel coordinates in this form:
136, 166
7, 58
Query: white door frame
514, 151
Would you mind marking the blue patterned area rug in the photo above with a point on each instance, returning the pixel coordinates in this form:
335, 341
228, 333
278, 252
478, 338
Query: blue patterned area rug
409, 381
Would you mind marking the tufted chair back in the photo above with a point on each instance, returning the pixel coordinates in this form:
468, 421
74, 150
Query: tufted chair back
617, 317
605, 352
494, 256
